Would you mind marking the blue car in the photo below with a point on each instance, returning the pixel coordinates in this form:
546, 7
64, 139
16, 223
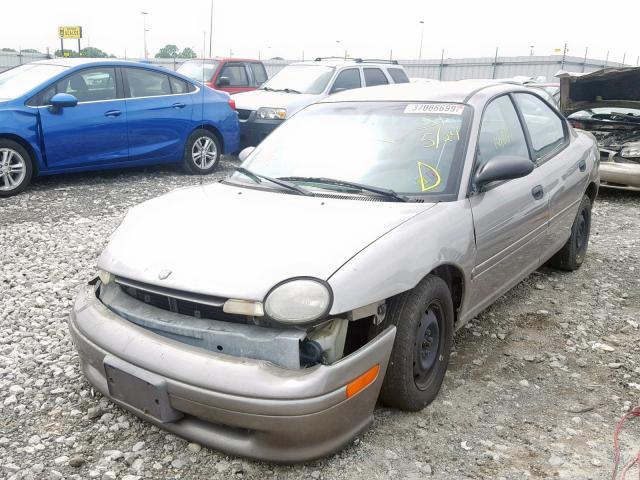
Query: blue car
72, 115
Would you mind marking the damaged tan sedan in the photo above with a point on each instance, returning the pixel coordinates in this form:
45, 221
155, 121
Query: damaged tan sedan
265, 315
607, 104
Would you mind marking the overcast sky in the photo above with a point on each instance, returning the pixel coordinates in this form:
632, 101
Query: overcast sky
287, 28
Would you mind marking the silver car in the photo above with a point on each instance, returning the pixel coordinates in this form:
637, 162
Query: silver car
266, 314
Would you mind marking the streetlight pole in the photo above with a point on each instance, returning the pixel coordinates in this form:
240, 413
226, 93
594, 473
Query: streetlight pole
144, 27
211, 31
421, 39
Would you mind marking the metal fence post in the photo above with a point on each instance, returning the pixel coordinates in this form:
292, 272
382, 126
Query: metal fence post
495, 64
441, 65
584, 62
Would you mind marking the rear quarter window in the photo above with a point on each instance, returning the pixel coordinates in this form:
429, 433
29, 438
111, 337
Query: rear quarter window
398, 75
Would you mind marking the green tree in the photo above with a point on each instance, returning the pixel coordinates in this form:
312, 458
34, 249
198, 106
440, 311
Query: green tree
8, 50
30, 50
187, 52
93, 52
168, 51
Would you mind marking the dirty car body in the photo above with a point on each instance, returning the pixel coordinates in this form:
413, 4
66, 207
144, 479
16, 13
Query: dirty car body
275, 339
607, 104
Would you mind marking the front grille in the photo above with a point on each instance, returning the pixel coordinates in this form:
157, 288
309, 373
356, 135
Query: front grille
243, 114
184, 307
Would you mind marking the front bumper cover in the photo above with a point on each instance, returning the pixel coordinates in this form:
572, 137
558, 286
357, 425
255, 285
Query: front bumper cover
253, 130
620, 173
240, 406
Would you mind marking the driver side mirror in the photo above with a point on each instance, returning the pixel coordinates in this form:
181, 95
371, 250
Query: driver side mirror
63, 100
245, 153
502, 167
223, 82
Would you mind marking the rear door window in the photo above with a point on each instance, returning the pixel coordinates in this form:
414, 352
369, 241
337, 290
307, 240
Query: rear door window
178, 86
374, 76
398, 75
236, 73
346, 80
546, 129
259, 74
147, 83
500, 132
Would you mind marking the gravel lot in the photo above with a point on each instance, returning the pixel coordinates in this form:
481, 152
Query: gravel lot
534, 389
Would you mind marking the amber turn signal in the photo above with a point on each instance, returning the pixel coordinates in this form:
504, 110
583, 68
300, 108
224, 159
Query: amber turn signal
362, 381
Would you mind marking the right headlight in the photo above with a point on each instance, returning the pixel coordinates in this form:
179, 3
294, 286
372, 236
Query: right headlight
298, 301
267, 113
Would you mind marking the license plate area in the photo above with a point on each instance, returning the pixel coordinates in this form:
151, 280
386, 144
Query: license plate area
141, 390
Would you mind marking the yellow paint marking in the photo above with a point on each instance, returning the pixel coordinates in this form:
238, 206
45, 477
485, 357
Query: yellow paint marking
429, 177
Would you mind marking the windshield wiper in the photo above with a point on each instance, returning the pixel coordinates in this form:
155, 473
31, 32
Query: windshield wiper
387, 192
257, 177
285, 90
267, 89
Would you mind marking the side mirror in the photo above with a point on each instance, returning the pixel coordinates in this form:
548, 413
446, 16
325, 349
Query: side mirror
245, 153
63, 100
502, 167
223, 82
338, 89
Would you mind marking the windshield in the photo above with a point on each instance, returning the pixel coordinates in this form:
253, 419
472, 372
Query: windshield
19, 80
199, 70
301, 78
413, 149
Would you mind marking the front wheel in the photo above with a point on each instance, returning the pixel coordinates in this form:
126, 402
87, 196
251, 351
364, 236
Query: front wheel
16, 168
424, 321
572, 254
201, 153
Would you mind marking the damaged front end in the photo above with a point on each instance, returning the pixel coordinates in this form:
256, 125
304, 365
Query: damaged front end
240, 383
607, 104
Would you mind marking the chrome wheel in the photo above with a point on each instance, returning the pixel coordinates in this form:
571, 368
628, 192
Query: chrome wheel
13, 169
204, 153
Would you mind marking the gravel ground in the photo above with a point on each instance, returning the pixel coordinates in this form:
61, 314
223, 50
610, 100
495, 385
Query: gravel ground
534, 389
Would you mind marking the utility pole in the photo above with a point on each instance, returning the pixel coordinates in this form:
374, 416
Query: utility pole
531, 50
421, 39
211, 31
584, 62
144, 27
606, 60
624, 56
564, 56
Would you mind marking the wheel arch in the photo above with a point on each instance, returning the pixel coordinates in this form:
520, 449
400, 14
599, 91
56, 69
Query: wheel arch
455, 280
27, 146
592, 192
214, 131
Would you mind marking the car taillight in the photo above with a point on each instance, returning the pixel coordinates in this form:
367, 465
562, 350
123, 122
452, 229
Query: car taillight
232, 103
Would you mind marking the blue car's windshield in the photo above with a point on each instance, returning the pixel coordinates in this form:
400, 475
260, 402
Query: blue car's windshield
18, 81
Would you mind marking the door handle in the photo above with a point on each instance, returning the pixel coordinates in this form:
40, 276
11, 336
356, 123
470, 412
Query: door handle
582, 165
179, 105
537, 192
113, 113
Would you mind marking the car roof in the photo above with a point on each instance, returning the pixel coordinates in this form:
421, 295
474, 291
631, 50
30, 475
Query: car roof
224, 59
456, 91
79, 62
339, 62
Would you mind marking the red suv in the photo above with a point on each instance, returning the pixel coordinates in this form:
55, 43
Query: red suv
230, 75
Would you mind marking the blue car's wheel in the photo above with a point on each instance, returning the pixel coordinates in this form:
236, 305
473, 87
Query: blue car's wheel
16, 168
201, 153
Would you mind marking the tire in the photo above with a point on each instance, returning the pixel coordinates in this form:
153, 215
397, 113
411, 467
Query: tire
413, 379
199, 140
572, 254
16, 168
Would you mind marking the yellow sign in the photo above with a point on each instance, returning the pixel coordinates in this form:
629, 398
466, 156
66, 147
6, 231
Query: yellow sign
70, 32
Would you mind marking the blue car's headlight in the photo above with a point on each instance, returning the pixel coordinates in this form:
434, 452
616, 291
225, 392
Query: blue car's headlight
298, 301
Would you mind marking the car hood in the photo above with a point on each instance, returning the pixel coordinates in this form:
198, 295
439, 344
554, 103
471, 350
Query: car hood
616, 87
236, 242
292, 102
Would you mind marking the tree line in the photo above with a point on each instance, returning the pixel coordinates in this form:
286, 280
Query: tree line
168, 51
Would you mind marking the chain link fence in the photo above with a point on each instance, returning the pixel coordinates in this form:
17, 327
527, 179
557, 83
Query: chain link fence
438, 69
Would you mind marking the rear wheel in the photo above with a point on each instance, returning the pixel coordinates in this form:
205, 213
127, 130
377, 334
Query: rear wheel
16, 168
572, 254
424, 320
201, 153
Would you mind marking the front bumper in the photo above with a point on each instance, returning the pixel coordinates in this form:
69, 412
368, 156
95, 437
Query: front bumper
240, 406
253, 130
620, 174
